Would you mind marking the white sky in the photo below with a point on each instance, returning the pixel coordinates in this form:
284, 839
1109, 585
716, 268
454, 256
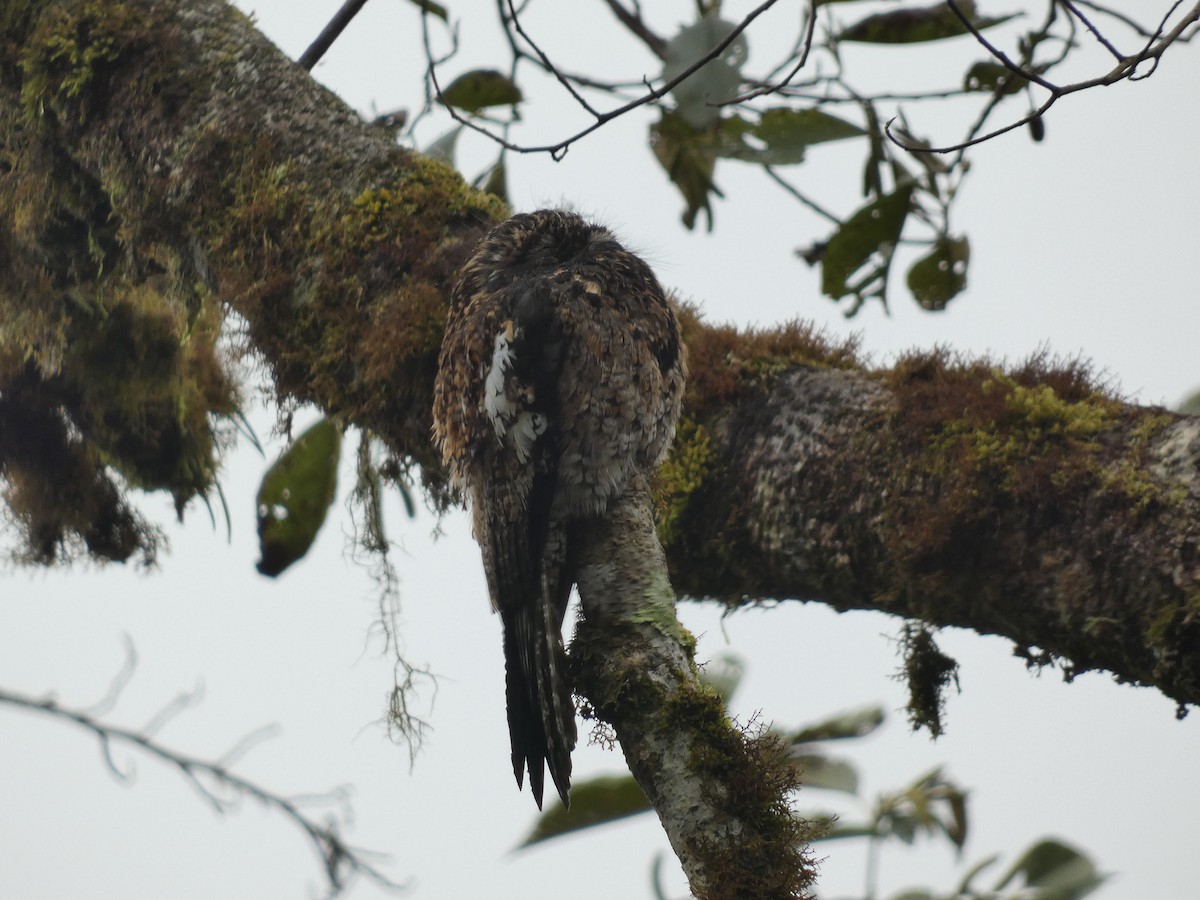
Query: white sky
1085, 243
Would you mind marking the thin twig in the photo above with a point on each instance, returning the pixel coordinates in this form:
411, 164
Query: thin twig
1125, 20
791, 189
805, 46
996, 52
559, 149
179, 703
119, 682
330, 33
1087, 23
570, 89
824, 99
634, 22
338, 859
1125, 69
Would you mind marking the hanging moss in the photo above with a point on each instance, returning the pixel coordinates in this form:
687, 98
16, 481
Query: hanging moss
928, 673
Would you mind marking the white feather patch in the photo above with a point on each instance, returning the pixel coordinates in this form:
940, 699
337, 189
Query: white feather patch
528, 427
496, 403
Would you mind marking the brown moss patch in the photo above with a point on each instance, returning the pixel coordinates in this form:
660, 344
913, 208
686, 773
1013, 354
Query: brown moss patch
726, 363
768, 857
980, 442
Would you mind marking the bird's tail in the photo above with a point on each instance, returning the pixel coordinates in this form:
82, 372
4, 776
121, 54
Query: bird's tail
541, 713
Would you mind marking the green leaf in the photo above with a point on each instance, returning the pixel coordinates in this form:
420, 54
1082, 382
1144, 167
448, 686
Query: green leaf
689, 156
1191, 406
940, 276
433, 8
497, 181
723, 675
479, 89
820, 771
930, 805
593, 802
782, 135
444, 147
852, 724
837, 832
713, 83
916, 24
783, 128
993, 77
872, 232
964, 886
873, 169
294, 496
1060, 872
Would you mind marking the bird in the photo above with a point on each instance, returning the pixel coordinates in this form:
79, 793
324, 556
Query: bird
560, 379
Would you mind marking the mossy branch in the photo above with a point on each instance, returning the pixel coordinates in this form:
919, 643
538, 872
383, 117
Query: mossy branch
1027, 502
723, 795
167, 170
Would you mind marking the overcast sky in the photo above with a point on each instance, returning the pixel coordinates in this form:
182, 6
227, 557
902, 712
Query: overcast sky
1085, 243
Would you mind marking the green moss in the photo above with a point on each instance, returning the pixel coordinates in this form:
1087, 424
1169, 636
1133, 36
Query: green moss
1129, 475
71, 52
145, 379
101, 293
1161, 625
1030, 423
681, 474
768, 857
978, 443
659, 611
929, 674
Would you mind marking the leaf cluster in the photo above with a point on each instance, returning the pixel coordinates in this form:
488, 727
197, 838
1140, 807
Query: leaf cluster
931, 806
717, 107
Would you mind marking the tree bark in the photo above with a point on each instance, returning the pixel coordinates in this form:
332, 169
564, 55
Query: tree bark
722, 795
166, 169
1026, 503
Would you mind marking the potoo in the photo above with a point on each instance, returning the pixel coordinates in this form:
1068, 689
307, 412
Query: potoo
560, 378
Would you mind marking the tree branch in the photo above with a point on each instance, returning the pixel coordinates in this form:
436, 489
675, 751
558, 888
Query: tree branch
723, 797
340, 861
1126, 69
1029, 503
194, 171
558, 149
633, 21
330, 33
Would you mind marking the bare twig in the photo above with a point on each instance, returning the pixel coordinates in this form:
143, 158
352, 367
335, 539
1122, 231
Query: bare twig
330, 33
1127, 68
999, 55
180, 702
558, 150
801, 52
1125, 20
120, 680
637, 25
550, 67
1087, 23
339, 860
791, 189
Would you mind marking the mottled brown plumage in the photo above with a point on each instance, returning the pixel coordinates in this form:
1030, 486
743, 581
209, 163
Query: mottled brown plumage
560, 378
